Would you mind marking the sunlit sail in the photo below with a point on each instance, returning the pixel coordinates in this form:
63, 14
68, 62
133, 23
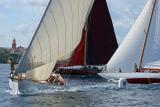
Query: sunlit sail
57, 35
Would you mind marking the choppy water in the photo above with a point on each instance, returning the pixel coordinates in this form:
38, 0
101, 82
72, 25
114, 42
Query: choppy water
81, 92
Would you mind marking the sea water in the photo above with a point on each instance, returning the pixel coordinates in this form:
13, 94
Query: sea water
80, 91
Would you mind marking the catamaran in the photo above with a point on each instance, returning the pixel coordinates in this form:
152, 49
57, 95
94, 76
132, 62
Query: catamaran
138, 58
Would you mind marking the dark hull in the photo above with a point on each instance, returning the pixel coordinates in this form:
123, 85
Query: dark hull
143, 80
78, 72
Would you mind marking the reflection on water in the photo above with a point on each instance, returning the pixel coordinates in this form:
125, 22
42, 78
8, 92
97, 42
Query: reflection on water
80, 92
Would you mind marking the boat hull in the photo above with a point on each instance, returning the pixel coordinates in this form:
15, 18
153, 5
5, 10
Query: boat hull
78, 72
134, 78
26, 87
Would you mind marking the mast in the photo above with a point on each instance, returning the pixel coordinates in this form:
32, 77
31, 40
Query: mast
146, 36
85, 46
85, 42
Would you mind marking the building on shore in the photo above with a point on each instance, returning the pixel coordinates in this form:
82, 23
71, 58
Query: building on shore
13, 51
16, 50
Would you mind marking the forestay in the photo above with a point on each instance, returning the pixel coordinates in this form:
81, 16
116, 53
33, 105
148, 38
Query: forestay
57, 35
129, 53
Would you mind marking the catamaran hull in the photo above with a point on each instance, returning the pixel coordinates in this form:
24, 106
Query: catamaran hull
134, 78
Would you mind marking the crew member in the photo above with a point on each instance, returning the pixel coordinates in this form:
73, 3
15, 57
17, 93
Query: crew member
55, 78
12, 66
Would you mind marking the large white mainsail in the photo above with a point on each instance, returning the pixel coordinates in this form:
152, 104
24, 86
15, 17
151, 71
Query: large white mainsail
129, 53
151, 56
57, 35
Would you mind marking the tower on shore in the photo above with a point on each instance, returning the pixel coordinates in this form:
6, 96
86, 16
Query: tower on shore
14, 46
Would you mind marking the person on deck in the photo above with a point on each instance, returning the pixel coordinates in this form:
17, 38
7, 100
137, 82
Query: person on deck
12, 66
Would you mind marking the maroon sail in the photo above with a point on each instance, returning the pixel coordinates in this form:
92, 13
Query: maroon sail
101, 39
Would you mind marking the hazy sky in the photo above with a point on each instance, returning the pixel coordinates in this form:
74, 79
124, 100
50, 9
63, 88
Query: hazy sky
19, 18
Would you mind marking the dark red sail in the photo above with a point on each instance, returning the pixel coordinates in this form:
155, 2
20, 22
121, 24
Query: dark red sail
101, 39
79, 53
77, 57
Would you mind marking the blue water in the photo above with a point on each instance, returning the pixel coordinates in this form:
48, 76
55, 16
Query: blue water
81, 92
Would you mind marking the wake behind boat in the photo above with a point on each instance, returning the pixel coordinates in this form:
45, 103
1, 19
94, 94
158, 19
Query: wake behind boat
137, 58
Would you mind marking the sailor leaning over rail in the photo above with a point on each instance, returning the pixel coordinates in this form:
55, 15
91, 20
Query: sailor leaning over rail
55, 78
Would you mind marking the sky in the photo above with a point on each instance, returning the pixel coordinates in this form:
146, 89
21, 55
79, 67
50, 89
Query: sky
20, 18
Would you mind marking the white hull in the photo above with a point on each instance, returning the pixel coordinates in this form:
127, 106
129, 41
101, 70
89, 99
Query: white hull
29, 87
136, 77
129, 75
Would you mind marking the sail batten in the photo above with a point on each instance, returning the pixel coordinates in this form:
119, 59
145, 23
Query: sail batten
57, 35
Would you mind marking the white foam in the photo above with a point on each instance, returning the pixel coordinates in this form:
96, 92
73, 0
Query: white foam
13, 93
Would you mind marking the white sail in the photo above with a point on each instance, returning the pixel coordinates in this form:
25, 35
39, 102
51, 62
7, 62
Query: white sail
40, 73
57, 35
130, 50
151, 57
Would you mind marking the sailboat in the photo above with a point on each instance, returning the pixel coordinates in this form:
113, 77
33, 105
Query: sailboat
138, 58
98, 43
55, 39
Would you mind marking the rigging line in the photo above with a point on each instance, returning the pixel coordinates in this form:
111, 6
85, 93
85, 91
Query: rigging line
146, 35
52, 14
